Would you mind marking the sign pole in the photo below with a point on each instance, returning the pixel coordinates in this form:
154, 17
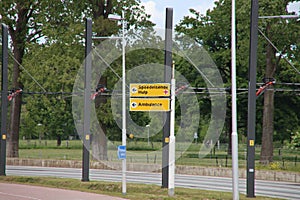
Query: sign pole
4, 83
234, 135
172, 137
123, 105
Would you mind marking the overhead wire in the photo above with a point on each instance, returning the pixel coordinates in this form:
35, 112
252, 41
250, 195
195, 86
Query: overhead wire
207, 90
283, 56
27, 72
195, 66
108, 65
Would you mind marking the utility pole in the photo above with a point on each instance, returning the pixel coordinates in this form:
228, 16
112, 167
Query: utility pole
87, 101
4, 86
252, 100
167, 77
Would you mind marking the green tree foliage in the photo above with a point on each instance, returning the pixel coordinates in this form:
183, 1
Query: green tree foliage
54, 68
295, 142
286, 42
213, 32
47, 38
26, 21
136, 20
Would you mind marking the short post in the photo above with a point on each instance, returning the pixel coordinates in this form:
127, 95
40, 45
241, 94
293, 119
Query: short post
148, 134
196, 137
226, 161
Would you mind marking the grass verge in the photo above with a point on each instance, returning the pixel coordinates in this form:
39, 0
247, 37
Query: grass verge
134, 191
285, 159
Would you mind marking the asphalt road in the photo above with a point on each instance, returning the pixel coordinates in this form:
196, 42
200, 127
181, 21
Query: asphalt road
282, 190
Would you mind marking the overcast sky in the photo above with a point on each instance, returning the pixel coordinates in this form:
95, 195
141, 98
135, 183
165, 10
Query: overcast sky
157, 9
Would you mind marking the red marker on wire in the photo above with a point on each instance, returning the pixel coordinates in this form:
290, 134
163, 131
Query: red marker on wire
264, 87
13, 94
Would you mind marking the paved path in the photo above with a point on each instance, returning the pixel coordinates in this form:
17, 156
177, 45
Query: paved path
26, 192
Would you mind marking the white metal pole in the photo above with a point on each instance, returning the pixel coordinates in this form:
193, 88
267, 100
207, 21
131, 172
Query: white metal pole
234, 136
172, 137
123, 105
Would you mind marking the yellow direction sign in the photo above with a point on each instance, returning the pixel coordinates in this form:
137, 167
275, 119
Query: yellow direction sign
149, 104
149, 89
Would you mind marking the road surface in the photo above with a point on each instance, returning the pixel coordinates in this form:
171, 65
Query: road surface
276, 189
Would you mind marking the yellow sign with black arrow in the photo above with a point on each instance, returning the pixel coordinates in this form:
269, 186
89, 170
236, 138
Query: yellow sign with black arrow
149, 90
149, 104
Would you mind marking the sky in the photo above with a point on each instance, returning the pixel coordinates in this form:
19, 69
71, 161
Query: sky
157, 9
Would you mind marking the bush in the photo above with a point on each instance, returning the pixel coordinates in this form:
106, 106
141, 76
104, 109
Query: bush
295, 143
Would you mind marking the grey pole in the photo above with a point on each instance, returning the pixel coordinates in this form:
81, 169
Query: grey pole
252, 100
87, 102
168, 76
4, 86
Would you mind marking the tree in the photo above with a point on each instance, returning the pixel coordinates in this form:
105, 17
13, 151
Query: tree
54, 67
284, 40
50, 22
23, 29
136, 19
213, 32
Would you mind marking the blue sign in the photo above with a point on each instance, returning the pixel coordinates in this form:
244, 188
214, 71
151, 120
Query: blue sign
122, 152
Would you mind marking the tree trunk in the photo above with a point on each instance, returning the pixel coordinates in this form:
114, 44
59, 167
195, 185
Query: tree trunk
18, 37
102, 8
14, 127
266, 154
99, 145
58, 141
13, 133
99, 140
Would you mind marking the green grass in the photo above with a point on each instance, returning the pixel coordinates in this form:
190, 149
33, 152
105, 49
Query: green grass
50, 144
134, 191
57, 154
141, 152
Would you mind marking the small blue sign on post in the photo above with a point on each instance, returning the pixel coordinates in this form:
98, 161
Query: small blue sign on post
122, 152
